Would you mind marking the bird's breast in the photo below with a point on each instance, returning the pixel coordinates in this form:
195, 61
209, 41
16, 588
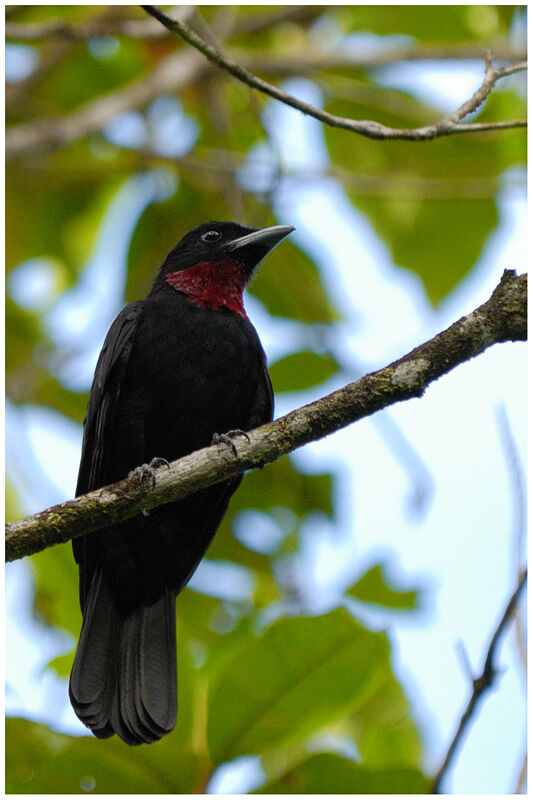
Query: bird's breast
192, 372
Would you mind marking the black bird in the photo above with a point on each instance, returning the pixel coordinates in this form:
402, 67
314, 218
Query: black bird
176, 368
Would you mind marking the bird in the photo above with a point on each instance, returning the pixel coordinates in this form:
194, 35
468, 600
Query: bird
178, 370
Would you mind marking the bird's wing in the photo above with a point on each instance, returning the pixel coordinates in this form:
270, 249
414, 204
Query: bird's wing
98, 426
103, 399
262, 409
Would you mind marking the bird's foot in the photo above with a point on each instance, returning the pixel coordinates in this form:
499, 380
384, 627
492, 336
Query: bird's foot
226, 438
148, 470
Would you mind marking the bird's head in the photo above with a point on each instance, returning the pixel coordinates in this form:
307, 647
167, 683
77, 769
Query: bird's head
212, 264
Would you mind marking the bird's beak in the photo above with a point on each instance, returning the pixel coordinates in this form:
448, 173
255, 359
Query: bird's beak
255, 246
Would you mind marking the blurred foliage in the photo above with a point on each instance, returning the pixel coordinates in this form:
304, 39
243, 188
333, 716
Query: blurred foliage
328, 773
331, 656
373, 587
244, 688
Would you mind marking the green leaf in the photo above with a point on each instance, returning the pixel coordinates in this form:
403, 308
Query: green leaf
374, 587
195, 612
45, 13
62, 664
53, 216
25, 329
81, 76
299, 675
289, 285
421, 201
427, 23
225, 116
300, 371
282, 484
433, 224
225, 547
50, 393
506, 104
40, 761
27, 377
13, 509
383, 730
56, 588
328, 773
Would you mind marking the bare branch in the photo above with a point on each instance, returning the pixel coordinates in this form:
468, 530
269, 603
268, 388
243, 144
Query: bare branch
480, 685
169, 75
295, 63
33, 32
369, 128
298, 63
224, 162
502, 318
21, 96
521, 784
180, 69
150, 29
518, 491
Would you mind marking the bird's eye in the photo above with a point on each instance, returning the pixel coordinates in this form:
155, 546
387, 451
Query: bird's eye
210, 236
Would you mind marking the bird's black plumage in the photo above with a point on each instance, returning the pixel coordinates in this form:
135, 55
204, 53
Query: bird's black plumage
176, 368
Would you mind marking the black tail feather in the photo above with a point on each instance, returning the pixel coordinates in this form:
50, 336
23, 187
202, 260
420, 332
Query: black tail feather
124, 678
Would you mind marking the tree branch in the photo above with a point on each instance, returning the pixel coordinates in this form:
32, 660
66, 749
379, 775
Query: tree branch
480, 685
519, 525
298, 63
369, 128
521, 783
149, 29
179, 69
502, 318
169, 75
223, 162
37, 32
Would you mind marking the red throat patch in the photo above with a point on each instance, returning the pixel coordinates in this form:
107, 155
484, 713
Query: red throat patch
213, 285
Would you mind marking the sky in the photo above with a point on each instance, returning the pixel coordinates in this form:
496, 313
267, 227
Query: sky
460, 547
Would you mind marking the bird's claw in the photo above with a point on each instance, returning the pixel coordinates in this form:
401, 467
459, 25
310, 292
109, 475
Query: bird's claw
226, 438
159, 462
148, 470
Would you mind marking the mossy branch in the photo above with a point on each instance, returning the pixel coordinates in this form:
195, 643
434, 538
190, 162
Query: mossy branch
502, 318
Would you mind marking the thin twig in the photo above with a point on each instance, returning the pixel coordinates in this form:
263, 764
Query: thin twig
58, 29
22, 96
480, 685
295, 63
502, 318
521, 783
304, 61
148, 29
226, 162
369, 128
516, 478
220, 117
179, 69
168, 75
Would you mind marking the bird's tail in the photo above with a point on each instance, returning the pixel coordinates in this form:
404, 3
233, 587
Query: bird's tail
124, 677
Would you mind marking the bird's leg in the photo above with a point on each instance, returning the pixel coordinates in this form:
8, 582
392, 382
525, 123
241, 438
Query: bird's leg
226, 438
149, 470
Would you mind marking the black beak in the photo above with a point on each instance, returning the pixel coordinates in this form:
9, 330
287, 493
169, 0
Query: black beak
255, 246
